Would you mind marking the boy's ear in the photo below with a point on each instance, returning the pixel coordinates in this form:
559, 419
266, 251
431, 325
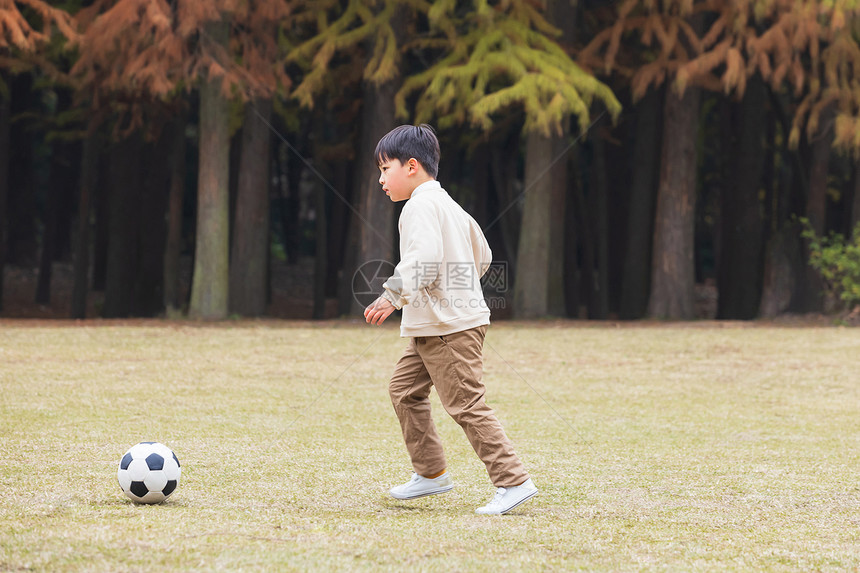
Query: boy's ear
413, 164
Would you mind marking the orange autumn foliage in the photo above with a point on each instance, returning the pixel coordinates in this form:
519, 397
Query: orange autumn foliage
155, 47
17, 32
804, 46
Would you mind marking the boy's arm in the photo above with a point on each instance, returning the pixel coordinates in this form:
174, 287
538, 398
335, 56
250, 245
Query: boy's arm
421, 259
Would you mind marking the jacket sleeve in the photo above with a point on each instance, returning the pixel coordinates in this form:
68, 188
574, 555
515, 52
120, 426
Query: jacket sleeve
481, 248
420, 257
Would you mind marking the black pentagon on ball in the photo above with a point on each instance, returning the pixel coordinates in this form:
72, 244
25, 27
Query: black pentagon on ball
149, 443
168, 489
176, 460
155, 461
126, 459
139, 488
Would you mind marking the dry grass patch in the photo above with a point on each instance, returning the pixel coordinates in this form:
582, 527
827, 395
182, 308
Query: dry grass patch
654, 447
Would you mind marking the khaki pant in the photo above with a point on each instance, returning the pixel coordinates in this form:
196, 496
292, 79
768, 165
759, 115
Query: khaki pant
454, 364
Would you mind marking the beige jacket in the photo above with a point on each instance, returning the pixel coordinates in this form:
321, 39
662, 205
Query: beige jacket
443, 255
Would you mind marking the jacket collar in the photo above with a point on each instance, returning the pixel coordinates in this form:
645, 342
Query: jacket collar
425, 187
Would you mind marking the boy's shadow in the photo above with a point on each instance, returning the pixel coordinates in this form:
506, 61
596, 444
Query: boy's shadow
406, 508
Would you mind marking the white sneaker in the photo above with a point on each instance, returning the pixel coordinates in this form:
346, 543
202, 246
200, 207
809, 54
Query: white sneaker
508, 498
420, 486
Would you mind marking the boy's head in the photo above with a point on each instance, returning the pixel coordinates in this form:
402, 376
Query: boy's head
410, 142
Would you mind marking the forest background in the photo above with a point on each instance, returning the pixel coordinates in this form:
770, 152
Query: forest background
199, 157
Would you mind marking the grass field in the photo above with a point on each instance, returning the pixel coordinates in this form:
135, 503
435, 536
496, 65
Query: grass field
655, 447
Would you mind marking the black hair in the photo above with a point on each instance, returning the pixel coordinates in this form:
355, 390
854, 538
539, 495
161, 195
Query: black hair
407, 141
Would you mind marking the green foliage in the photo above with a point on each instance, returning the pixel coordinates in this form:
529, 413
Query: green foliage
495, 58
363, 29
482, 62
838, 261
277, 250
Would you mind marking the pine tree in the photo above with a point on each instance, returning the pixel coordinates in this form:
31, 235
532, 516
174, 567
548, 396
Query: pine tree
143, 49
496, 58
673, 26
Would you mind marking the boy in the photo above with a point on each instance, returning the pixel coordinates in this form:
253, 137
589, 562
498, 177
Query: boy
437, 284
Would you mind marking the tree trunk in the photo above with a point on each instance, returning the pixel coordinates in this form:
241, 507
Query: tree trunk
673, 265
338, 215
376, 211
66, 208
778, 280
69, 161
173, 246
291, 200
101, 229
122, 226
559, 181
89, 173
504, 226
152, 228
249, 260
5, 150
62, 185
809, 296
739, 276
572, 274
21, 243
565, 15
481, 182
640, 223
531, 283
585, 226
769, 176
816, 200
346, 297
782, 250
53, 194
233, 185
321, 254
210, 283
599, 302
855, 207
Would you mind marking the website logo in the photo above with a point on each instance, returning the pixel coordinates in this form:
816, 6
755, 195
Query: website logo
368, 279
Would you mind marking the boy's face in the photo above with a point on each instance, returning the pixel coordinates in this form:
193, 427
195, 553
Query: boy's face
398, 179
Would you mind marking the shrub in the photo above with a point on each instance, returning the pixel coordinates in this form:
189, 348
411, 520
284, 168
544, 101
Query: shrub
837, 259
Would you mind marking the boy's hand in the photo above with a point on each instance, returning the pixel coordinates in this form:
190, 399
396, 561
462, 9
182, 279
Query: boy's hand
377, 312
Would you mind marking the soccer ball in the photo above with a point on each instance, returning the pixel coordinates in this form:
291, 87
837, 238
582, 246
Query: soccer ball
148, 472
